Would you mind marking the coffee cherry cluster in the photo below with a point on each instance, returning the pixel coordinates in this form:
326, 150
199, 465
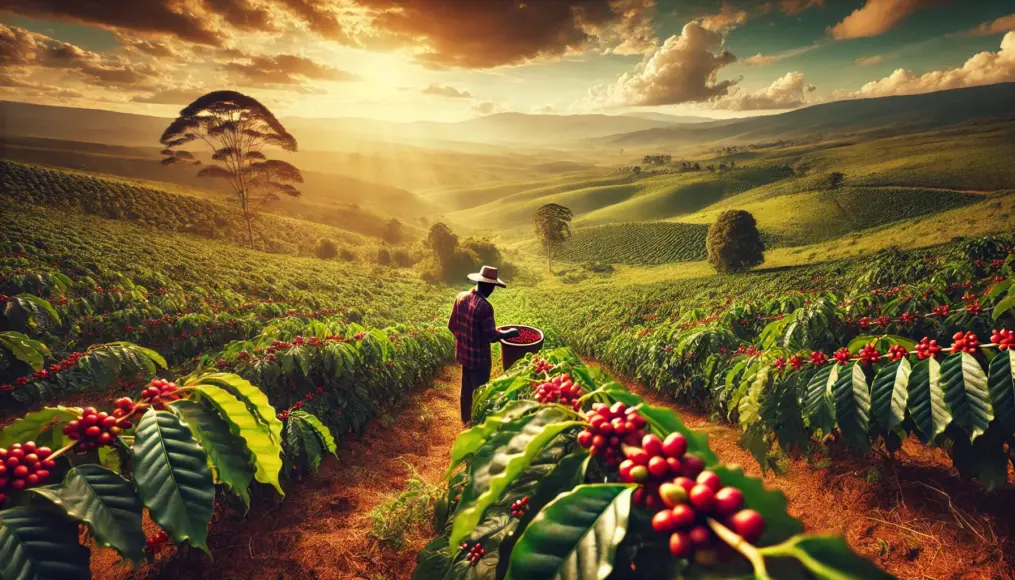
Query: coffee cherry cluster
122, 408
156, 543
681, 495
93, 429
475, 554
560, 389
541, 366
610, 427
23, 466
518, 507
159, 392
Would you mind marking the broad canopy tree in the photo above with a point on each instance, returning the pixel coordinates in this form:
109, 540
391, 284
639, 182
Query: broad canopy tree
553, 226
236, 127
734, 242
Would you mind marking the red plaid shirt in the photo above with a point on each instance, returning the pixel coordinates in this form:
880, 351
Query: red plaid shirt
472, 324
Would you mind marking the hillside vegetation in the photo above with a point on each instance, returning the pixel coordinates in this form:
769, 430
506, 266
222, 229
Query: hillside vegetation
635, 243
70, 191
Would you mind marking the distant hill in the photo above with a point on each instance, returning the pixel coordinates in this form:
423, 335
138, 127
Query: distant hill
125, 129
668, 118
909, 113
327, 198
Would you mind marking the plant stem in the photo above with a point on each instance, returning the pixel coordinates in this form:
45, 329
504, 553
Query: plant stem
741, 545
62, 450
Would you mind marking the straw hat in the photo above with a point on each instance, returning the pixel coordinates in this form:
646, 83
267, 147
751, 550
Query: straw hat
488, 274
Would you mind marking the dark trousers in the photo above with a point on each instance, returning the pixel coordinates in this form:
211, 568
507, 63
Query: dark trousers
471, 380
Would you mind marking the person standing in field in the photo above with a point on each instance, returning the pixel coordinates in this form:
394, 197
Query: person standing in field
472, 324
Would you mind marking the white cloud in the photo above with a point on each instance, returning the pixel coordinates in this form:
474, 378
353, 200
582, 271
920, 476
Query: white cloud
725, 20
876, 17
487, 108
984, 68
788, 92
447, 91
869, 60
761, 59
682, 70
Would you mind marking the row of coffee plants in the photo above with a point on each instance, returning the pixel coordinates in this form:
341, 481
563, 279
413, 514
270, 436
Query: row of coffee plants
341, 372
759, 362
566, 474
171, 451
95, 267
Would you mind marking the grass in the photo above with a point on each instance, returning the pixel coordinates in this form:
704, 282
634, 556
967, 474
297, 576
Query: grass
405, 512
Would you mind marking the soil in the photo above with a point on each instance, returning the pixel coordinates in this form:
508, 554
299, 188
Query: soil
915, 517
321, 529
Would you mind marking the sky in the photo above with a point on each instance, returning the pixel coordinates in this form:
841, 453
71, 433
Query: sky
449, 60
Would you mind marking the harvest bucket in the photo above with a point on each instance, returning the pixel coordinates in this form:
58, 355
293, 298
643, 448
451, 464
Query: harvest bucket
511, 352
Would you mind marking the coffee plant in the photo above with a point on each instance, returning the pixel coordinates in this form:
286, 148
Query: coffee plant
765, 362
170, 452
533, 493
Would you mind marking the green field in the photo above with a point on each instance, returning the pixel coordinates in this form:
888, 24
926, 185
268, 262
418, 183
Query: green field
635, 243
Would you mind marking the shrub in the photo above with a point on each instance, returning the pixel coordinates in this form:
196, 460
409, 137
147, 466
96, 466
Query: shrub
734, 243
347, 255
402, 258
326, 249
384, 256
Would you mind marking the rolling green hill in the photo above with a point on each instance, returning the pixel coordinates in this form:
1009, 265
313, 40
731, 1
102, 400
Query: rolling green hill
30, 185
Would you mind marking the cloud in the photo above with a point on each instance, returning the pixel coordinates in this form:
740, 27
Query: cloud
446, 91
149, 16
544, 110
319, 18
876, 17
285, 69
242, 15
997, 26
487, 108
171, 96
635, 30
794, 7
490, 33
869, 60
26, 49
984, 68
788, 92
151, 47
725, 20
682, 70
761, 59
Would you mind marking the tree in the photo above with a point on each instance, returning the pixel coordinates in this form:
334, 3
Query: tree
734, 243
236, 128
636, 170
392, 231
835, 179
442, 241
553, 226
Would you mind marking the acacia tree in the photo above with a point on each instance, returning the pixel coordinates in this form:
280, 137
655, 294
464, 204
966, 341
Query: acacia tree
553, 226
236, 128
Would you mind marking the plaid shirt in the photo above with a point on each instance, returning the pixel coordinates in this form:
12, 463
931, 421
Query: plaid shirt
472, 324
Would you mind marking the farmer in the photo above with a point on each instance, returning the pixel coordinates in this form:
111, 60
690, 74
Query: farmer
472, 324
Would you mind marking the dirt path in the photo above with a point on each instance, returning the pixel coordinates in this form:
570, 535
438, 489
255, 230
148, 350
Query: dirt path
321, 530
918, 520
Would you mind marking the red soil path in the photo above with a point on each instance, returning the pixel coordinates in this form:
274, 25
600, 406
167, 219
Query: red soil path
917, 519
